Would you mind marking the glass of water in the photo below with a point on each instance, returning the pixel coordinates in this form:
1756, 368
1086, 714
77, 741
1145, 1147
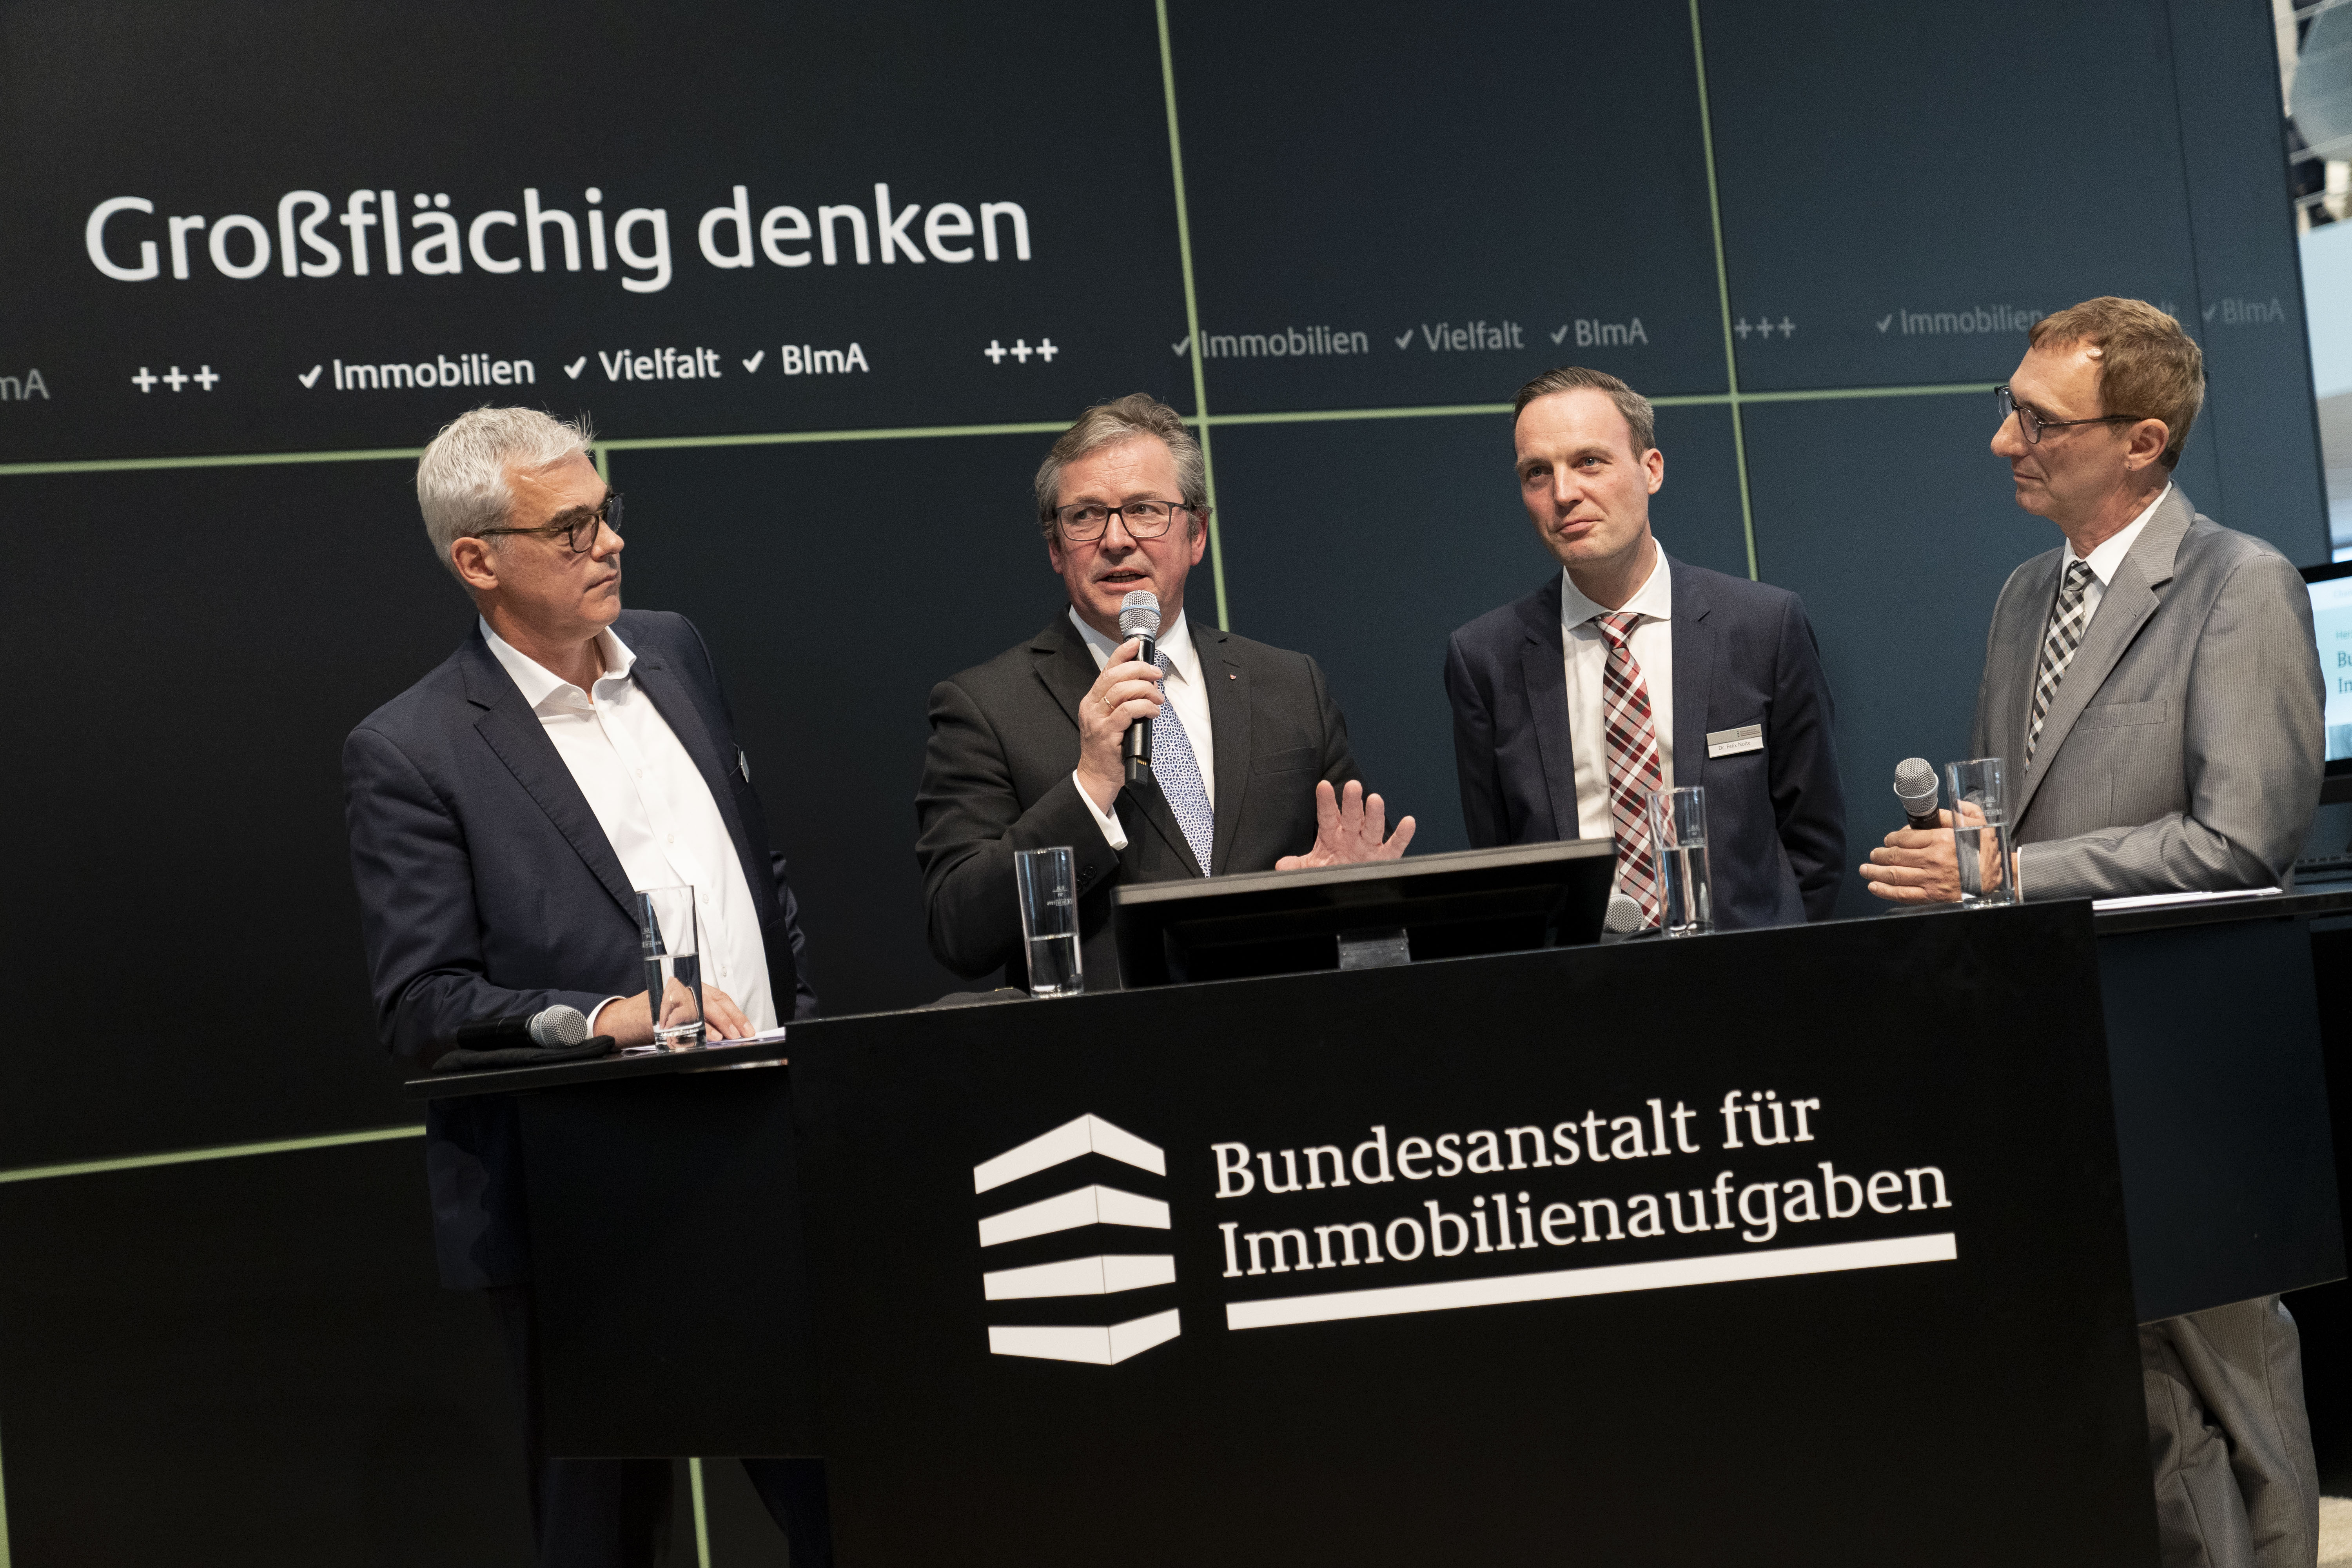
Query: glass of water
1048, 884
1981, 832
1678, 832
670, 937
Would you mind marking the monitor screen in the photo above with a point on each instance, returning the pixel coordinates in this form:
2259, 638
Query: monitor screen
1505, 900
2331, 619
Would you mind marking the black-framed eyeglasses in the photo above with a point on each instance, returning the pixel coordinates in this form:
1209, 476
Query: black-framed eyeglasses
1086, 523
580, 534
2033, 424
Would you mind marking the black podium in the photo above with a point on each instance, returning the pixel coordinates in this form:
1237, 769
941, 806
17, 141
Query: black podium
1774, 1247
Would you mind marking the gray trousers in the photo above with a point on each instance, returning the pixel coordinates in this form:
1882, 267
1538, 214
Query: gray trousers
2236, 1484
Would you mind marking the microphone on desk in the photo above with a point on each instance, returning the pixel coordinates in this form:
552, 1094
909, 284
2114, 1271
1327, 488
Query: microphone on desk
560, 1025
1139, 616
1914, 786
1623, 918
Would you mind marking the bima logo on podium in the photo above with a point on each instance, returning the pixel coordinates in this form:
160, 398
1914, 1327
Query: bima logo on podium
1102, 1274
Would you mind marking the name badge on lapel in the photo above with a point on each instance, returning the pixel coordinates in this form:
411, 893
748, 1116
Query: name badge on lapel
1732, 743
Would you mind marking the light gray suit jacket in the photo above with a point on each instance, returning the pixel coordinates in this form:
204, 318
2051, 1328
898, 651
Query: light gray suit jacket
2183, 752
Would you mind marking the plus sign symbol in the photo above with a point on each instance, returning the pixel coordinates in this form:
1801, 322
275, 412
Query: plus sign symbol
1743, 329
1046, 351
205, 378
995, 352
174, 380
1021, 351
145, 381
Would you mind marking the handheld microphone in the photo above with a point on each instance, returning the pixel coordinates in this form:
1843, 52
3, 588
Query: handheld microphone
1139, 616
1914, 786
560, 1025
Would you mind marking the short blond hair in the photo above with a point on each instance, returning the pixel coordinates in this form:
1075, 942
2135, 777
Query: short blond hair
2149, 367
1124, 420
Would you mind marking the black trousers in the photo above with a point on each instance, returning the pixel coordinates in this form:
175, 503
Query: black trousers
618, 1514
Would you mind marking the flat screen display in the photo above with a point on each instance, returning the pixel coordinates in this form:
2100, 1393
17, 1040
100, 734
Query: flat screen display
2331, 622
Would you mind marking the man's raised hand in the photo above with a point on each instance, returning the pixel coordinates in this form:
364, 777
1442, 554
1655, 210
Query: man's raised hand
1349, 829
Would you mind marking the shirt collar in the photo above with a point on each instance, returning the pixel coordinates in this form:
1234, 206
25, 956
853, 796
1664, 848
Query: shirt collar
1176, 642
538, 683
2108, 558
1654, 599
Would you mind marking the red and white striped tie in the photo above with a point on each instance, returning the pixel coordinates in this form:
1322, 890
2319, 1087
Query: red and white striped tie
1633, 771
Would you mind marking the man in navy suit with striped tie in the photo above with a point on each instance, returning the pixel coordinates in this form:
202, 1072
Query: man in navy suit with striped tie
1251, 768
1629, 671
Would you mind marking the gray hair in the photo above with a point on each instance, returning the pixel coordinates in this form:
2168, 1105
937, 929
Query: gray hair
1124, 420
461, 479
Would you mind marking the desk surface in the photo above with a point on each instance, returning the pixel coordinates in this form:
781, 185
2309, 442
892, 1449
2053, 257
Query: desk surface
773, 1053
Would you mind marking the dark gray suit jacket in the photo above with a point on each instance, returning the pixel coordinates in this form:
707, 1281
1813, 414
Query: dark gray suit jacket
2184, 749
1744, 653
996, 779
487, 888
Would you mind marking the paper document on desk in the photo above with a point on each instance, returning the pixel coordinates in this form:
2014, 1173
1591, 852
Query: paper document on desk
2166, 901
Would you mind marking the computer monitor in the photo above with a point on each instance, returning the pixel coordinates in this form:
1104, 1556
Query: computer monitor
2330, 588
1284, 922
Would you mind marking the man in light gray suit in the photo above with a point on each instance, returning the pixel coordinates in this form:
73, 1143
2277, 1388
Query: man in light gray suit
2155, 691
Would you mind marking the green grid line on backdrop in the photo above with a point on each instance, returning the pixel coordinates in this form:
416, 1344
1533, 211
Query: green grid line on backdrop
606, 444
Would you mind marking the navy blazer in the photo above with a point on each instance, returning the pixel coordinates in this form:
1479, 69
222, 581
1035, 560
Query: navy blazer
486, 887
1744, 653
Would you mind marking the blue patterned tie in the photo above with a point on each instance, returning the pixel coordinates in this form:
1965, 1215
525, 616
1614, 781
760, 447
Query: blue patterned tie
1178, 773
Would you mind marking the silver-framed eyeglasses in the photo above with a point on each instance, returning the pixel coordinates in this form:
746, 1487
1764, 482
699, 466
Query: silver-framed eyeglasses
2031, 424
577, 533
1086, 522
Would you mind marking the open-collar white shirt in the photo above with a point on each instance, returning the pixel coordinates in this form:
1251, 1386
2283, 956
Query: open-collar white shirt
1186, 691
1586, 650
654, 806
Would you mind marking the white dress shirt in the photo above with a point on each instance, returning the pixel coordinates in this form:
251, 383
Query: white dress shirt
2106, 559
1586, 651
655, 807
1186, 691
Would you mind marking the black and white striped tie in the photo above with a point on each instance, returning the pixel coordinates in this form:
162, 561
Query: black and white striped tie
2068, 620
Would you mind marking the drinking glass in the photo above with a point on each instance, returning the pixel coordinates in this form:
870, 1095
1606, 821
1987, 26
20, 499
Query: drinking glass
1048, 884
1980, 833
1678, 834
670, 939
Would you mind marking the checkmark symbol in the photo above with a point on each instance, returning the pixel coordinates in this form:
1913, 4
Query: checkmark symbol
1561, 333
1179, 348
575, 367
753, 363
1884, 320
1406, 340
311, 379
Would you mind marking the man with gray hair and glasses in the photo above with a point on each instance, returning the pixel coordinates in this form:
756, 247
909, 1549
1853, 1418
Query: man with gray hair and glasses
502, 811
1251, 768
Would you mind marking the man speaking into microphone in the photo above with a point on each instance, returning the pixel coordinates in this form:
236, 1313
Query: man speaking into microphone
1249, 766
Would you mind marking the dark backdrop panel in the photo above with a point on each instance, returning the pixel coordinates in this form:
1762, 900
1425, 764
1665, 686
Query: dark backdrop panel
1366, 543
1890, 160
1407, 176
193, 646
246, 1361
226, 109
837, 584
1899, 566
